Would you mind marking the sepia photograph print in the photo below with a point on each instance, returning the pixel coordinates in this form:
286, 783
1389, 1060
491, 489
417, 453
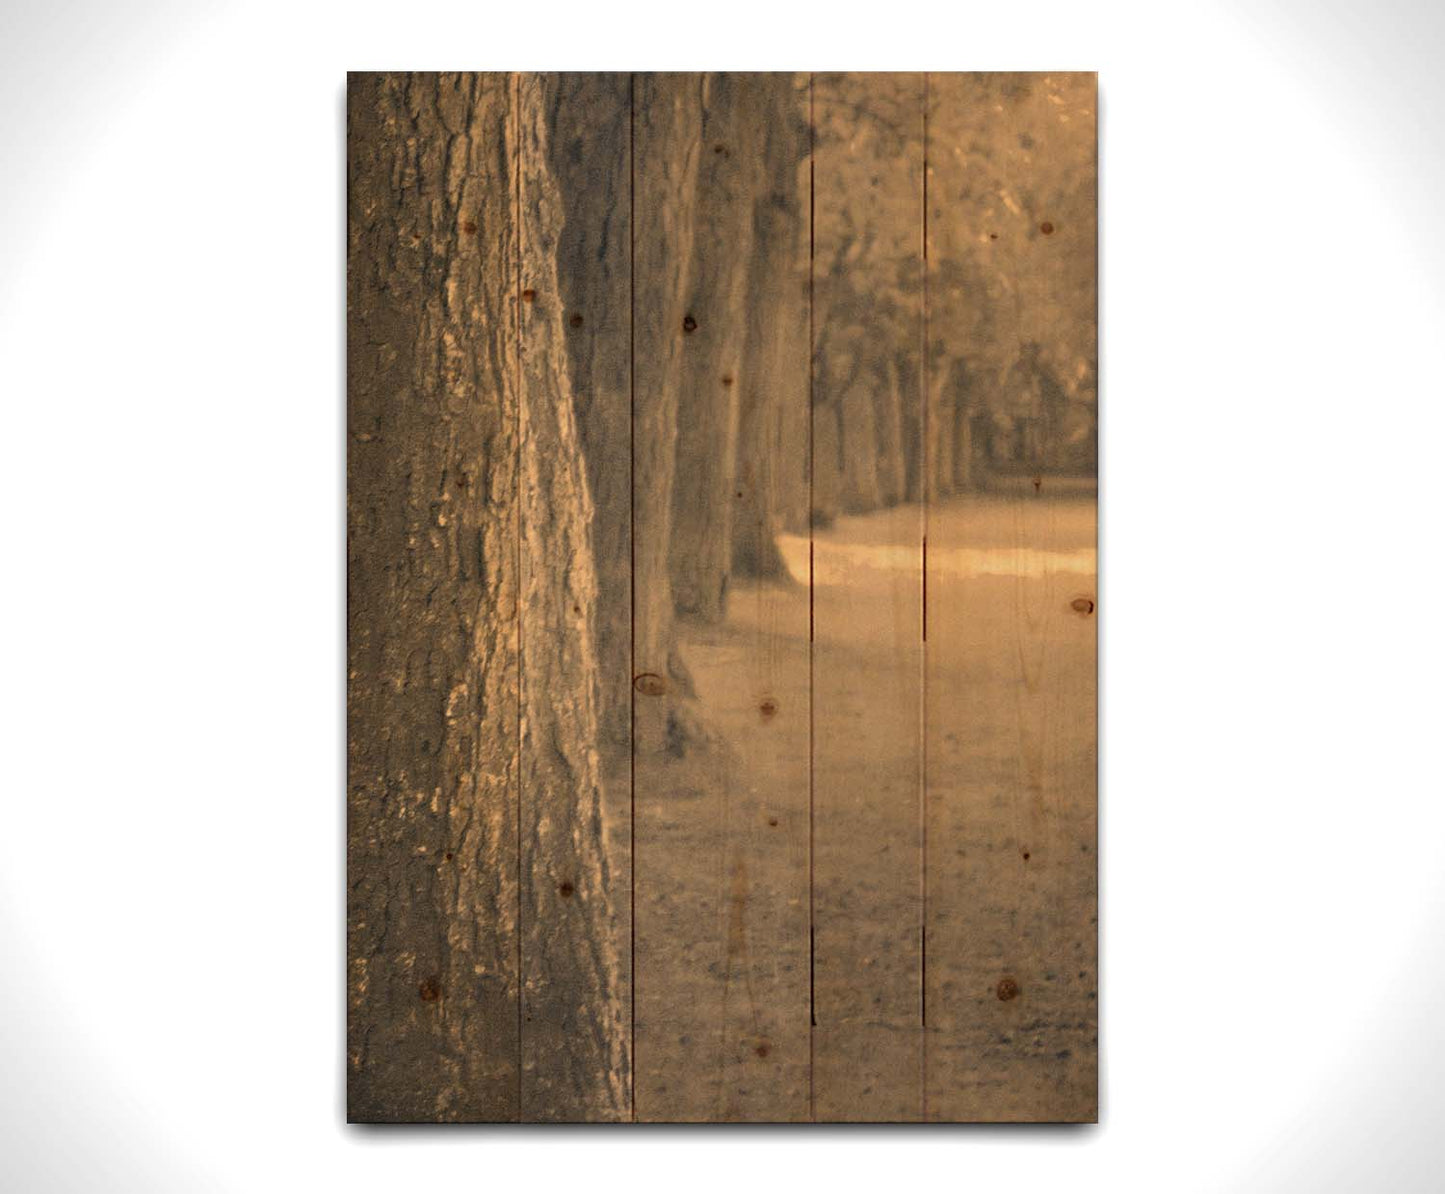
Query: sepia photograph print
722, 586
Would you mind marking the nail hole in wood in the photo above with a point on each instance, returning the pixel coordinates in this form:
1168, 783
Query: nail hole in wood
1007, 989
430, 989
565, 889
689, 324
576, 320
768, 707
1046, 228
469, 227
529, 295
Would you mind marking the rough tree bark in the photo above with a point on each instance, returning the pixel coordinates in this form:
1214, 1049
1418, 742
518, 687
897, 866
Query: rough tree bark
714, 328
773, 387
432, 586
589, 134
439, 484
574, 1033
666, 151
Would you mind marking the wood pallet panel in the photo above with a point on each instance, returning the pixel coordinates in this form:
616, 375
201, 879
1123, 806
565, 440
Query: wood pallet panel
722, 597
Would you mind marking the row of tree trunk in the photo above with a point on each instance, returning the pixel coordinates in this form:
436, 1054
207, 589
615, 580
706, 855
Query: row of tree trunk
516, 464
582, 387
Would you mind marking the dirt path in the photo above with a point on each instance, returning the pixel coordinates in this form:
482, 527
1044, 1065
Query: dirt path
726, 900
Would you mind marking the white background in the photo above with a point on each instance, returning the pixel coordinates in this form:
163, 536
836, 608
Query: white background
171, 488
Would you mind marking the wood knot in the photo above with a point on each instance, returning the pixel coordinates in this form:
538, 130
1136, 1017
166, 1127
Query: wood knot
727, 379
576, 320
762, 1048
1038, 484
649, 684
1026, 855
469, 227
719, 148
565, 889
529, 295
773, 821
1082, 606
1007, 989
430, 989
1046, 228
689, 324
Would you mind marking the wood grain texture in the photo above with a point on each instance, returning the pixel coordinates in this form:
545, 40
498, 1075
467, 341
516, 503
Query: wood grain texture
675, 1002
589, 141
432, 593
720, 768
722, 594
868, 622
574, 1031
1012, 975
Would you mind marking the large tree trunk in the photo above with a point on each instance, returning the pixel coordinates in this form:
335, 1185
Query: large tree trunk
467, 804
589, 141
432, 589
574, 1031
666, 151
773, 414
714, 328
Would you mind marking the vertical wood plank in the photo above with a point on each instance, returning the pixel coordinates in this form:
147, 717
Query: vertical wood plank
590, 142
1011, 639
751, 666
672, 1002
432, 599
867, 596
720, 745
575, 1029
